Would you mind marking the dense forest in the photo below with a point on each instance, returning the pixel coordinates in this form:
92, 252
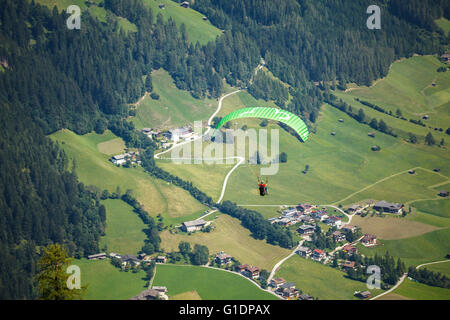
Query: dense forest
53, 78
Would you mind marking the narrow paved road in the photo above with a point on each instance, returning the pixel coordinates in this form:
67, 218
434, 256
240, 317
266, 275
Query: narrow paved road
399, 282
279, 263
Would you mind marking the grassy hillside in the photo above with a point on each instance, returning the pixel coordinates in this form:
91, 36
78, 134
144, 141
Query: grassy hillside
419, 291
320, 281
124, 229
443, 268
107, 282
409, 87
174, 107
93, 167
94, 9
444, 24
197, 29
208, 284
232, 238
431, 246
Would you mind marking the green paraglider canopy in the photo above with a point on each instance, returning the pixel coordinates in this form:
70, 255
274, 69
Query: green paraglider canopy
280, 115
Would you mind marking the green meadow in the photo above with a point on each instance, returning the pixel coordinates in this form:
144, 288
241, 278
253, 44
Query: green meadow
440, 208
124, 228
443, 267
196, 28
106, 282
94, 168
428, 247
419, 291
320, 281
444, 24
174, 107
210, 284
416, 88
94, 9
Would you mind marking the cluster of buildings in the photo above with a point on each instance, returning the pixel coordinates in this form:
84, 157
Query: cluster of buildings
287, 290
155, 293
195, 225
121, 159
380, 206
129, 259
306, 213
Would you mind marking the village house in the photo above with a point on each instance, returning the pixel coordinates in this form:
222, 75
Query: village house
443, 193
118, 159
369, 240
190, 226
223, 258
354, 208
277, 282
349, 249
288, 290
362, 294
445, 57
129, 258
306, 219
318, 255
179, 134
320, 215
115, 255
249, 271
304, 208
160, 259
98, 256
185, 4
338, 236
305, 297
306, 229
304, 251
350, 228
289, 212
334, 221
383, 206
150, 294
161, 289
348, 265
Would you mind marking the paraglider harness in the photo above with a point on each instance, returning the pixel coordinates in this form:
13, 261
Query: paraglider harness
262, 187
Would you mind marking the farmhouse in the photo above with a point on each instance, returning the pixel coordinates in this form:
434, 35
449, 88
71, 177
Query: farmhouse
354, 208
289, 212
348, 248
119, 159
304, 208
443, 193
348, 227
185, 4
288, 290
384, 206
338, 236
306, 219
179, 133
98, 256
305, 297
277, 282
348, 265
304, 251
363, 294
190, 226
129, 258
318, 255
319, 215
249, 271
445, 57
150, 294
306, 229
334, 221
223, 258
161, 259
369, 240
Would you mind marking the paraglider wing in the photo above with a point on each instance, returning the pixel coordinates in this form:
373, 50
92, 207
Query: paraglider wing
280, 115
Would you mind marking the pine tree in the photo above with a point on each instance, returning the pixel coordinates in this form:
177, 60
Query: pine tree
52, 276
429, 139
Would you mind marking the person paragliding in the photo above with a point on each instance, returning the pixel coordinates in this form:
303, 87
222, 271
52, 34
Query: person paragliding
263, 186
